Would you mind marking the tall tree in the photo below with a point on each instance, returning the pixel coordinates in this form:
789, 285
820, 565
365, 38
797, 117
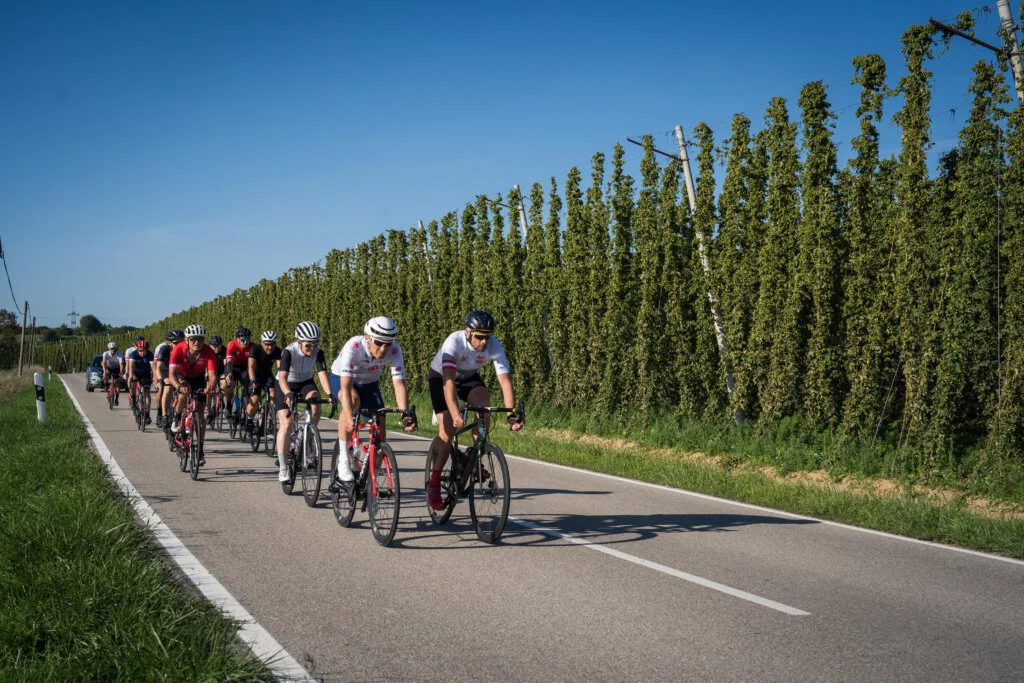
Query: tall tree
822, 254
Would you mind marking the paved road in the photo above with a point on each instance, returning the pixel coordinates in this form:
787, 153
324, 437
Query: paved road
597, 579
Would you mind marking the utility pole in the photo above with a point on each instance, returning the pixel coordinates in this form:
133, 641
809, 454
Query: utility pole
716, 310
1008, 29
32, 345
21, 351
522, 212
1008, 32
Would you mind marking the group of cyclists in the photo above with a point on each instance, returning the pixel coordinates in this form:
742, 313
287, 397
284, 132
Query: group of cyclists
187, 364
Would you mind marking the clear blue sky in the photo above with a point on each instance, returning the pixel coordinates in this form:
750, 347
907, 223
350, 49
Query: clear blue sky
234, 140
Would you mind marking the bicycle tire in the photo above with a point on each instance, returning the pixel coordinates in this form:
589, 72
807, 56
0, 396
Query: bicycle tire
195, 446
182, 457
312, 465
343, 501
448, 494
256, 434
270, 428
489, 497
385, 492
110, 397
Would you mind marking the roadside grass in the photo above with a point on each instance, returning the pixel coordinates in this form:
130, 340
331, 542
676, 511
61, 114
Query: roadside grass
84, 592
778, 471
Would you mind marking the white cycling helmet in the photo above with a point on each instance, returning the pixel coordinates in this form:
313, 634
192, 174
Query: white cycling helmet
111, 345
195, 331
307, 331
381, 328
268, 336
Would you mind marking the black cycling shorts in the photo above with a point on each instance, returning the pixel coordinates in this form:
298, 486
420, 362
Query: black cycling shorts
281, 401
462, 388
197, 384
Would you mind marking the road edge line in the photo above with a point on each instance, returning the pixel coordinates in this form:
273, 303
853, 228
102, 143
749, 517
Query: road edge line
259, 641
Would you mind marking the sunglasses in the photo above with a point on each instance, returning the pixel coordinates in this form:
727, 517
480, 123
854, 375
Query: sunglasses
310, 345
480, 336
380, 344
196, 339
244, 340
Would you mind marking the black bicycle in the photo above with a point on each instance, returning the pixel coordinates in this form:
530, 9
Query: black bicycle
305, 451
479, 473
382, 492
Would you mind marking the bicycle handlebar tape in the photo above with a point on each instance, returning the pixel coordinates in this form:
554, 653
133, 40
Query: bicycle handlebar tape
40, 397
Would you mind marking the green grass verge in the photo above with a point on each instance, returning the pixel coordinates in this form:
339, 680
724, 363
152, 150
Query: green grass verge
916, 516
84, 592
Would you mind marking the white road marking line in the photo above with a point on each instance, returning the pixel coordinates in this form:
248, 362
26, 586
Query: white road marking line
750, 506
258, 639
692, 578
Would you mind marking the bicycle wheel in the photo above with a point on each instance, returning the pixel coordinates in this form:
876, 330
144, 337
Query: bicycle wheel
343, 501
182, 455
256, 433
448, 495
312, 465
110, 395
195, 446
233, 418
270, 427
385, 495
490, 494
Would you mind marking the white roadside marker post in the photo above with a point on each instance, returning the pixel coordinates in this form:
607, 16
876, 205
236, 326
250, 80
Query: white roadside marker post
40, 397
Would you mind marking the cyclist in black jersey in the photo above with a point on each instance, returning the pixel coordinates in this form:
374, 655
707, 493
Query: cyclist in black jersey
162, 363
261, 369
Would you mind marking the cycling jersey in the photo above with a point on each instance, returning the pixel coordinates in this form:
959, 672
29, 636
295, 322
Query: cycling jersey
143, 363
221, 359
456, 354
238, 355
299, 367
163, 352
356, 362
112, 361
265, 361
129, 354
203, 362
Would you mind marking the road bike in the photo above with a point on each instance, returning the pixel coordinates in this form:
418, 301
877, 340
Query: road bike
189, 441
382, 492
264, 423
480, 473
141, 404
305, 451
215, 411
236, 404
113, 390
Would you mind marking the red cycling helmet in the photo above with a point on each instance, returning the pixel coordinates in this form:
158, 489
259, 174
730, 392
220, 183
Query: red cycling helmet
142, 344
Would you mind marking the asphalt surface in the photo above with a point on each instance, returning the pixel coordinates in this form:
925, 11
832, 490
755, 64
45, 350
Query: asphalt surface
681, 587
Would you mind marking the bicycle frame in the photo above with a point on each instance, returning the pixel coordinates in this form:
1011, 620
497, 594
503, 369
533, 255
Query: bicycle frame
462, 474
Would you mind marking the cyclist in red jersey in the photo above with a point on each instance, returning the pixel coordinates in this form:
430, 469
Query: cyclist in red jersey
193, 367
236, 364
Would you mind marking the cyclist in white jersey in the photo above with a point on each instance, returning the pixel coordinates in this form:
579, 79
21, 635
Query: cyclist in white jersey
113, 364
354, 376
454, 374
299, 362
129, 354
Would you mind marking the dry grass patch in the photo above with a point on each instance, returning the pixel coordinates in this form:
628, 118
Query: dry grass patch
820, 479
11, 383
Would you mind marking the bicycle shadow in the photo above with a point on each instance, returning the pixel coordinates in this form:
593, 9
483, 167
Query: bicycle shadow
551, 530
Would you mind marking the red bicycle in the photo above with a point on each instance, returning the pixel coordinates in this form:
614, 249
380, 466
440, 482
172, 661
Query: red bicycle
383, 493
113, 390
189, 441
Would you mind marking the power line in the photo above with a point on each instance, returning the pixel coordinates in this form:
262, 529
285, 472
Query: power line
4, 259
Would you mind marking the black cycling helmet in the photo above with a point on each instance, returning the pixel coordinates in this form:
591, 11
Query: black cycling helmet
480, 321
174, 336
215, 340
243, 332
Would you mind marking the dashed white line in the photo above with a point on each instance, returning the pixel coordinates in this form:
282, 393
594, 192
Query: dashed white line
692, 578
258, 639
